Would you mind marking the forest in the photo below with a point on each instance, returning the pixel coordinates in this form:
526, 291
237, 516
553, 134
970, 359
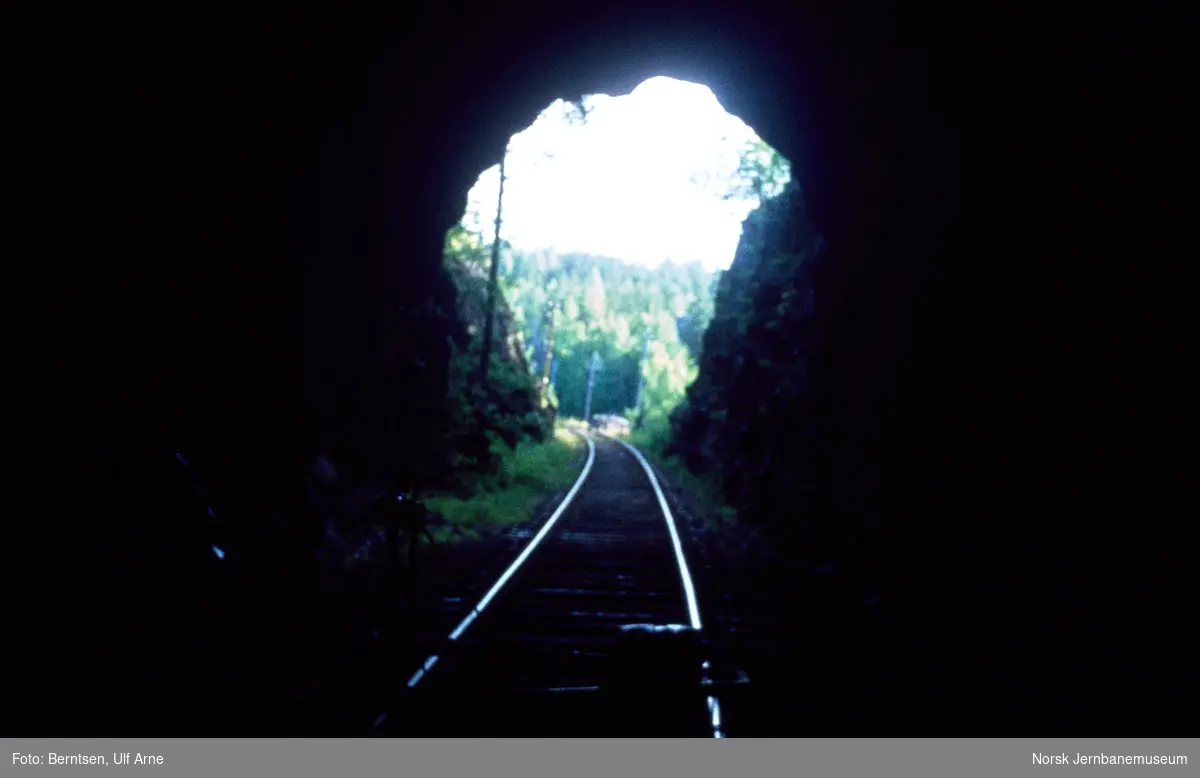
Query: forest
645, 327
561, 316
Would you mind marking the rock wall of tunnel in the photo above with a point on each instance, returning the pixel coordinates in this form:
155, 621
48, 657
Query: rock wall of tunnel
295, 177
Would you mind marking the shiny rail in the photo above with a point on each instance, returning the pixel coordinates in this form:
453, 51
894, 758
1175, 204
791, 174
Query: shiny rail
470, 618
685, 576
686, 582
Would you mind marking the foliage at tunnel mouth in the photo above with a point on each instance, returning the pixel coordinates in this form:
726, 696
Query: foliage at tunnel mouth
581, 332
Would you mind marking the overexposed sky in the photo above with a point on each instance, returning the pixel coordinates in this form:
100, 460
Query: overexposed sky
627, 184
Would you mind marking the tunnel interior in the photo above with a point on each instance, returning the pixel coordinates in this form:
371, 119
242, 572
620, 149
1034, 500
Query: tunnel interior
292, 191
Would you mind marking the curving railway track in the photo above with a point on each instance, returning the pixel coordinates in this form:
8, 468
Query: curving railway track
594, 629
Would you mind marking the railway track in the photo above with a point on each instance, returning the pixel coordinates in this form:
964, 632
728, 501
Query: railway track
594, 629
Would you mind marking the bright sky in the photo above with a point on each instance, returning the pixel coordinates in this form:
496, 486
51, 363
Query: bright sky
625, 183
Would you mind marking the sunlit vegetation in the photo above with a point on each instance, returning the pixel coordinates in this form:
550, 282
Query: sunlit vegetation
480, 422
565, 320
572, 305
510, 494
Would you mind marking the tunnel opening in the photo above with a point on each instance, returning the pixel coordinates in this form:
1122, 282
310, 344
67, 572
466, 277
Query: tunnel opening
617, 220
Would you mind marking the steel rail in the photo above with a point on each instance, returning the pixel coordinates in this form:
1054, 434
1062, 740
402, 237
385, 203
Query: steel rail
687, 584
458, 631
685, 575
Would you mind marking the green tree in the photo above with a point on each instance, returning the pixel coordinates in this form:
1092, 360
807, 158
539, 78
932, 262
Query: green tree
756, 173
595, 300
609, 306
762, 172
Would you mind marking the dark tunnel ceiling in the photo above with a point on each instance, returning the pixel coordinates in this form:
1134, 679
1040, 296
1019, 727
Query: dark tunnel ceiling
332, 150
798, 85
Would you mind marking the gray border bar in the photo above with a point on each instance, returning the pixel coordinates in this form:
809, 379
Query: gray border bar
464, 758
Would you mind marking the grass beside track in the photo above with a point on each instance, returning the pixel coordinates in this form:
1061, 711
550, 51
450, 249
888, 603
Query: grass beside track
704, 489
509, 497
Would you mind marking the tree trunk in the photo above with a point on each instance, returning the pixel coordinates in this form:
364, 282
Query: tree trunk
485, 354
637, 403
587, 403
548, 357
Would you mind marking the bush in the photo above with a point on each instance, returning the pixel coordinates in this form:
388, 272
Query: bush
524, 475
